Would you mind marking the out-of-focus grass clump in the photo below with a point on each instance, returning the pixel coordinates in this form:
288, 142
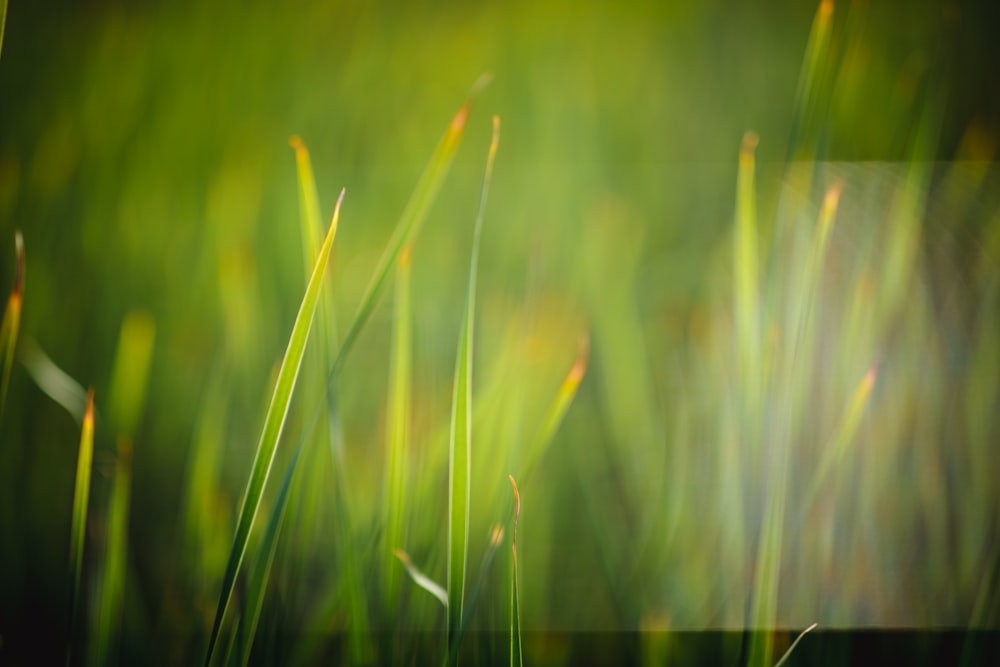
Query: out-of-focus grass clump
769, 238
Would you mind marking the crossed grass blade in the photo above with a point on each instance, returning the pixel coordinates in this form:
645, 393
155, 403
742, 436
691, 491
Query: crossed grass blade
460, 445
274, 422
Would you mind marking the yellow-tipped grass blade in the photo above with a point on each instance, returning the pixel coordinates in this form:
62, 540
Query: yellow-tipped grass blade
411, 220
81, 496
460, 442
557, 410
12, 315
274, 422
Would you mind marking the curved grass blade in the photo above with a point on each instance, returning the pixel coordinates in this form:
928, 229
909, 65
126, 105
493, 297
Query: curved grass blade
412, 218
81, 497
515, 613
421, 579
795, 643
460, 449
111, 586
52, 380
399, 424
12, 315
273, 424
261, 571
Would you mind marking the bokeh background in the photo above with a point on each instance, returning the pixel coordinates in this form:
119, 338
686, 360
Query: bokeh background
144, 155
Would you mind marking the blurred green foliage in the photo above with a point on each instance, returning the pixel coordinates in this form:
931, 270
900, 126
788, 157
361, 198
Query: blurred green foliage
144, 154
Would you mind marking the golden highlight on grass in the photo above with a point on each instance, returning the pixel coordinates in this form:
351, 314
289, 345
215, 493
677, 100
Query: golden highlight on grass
12, 315
460, 442
81, 496
274, 423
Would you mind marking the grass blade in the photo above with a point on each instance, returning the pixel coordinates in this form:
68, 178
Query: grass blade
784, 658
130, 375
412, 218
3, 21
111, 586
399, 424
12, 315
53, 381
746, 276
81, 497
460, 449
515, 612
261, 571
273, 424
421, 579
556, 412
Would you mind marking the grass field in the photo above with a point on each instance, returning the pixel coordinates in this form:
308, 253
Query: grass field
533, 332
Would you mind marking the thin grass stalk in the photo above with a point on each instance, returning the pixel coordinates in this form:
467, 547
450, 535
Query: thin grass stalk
12, 314
111, 584
399, 428
3, 21
460, 446
78, 530
557, 409
515, 613
52, 380
261, 570
274, 422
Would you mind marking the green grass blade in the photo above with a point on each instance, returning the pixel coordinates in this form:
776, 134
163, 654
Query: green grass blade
130, 375
111, 586
515, 612
81, 497
795, 643
274, 422
3, 21
399, 426
557, 410
838, 447
411, 220
496, 539
421, 579
460, 446
261, 570
12, 315
746, 276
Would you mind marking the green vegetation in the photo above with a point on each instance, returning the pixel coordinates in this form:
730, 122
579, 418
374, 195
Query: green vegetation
747, 387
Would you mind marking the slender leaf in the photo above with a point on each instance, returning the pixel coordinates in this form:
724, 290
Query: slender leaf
795, 643
52, 380
399, 423
261, 570
273, 424
557, 410
411, 220
12, 315
111, 587
460, 447
81, 497
421, 579
3, 21
515, 612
